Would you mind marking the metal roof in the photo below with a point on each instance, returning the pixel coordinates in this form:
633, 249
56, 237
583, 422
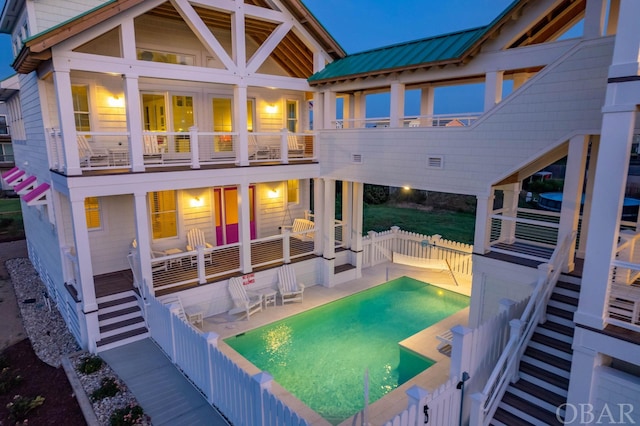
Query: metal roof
403, 55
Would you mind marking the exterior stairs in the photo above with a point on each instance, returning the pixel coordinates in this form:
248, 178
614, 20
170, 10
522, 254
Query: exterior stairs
120, 320
545, 366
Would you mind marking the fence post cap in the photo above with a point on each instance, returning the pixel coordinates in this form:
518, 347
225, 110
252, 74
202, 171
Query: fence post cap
460, 329
212, 338
417, 393
263, 378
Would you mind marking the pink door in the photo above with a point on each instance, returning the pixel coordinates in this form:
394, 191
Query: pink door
226, 211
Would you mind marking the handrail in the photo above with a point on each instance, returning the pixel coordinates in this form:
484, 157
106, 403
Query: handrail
522, 330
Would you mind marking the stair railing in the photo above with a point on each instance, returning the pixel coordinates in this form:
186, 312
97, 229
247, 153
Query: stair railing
485, 403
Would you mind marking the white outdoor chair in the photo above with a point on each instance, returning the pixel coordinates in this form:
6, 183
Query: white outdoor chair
89, 156
158, 266
190, 317
296, 150
258, 152
153, 152
244, 302
195, 238
289, 288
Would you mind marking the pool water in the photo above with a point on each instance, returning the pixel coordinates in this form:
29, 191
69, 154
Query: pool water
321, 355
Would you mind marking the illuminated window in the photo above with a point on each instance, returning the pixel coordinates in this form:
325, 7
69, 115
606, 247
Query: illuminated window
164, 214
92, 211
292, 116
292, 190
80, 96
166, 57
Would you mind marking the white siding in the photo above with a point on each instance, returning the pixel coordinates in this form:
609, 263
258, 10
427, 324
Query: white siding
110, 243
50, 12
613, 389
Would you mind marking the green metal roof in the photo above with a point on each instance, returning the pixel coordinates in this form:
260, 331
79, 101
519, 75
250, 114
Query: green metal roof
431, 50
434, 49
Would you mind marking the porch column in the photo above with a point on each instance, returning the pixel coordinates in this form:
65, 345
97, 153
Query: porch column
396, 104
240, 124
584, 364
604, 224
427, 99
347, 209
143, 238
594, 15
134, 122
588, 196
359, 109
626, 52
484, 210
244, 228
328, 232
572, 192
318, 215
329, 110
511, 193
87, 286
66, 118
356, 225
493, 89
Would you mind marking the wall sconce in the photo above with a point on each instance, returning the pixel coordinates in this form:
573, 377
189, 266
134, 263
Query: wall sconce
271, 109
273, 193
197, 202
115, 101
406, 188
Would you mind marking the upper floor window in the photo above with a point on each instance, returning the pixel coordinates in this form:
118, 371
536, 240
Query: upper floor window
4, 127
80, 96
92, 212
292, 116
166, 57
164, 214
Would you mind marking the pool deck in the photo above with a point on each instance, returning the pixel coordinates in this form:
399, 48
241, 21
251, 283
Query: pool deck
424, 342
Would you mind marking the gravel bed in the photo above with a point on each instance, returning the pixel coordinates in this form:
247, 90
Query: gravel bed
51, 340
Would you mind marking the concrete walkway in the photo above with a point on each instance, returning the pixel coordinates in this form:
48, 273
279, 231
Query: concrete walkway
161, 390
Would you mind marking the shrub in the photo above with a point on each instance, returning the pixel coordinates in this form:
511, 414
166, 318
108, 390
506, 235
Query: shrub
130, 415
108, 388
375, 194
22, 405
90, 364
8, 379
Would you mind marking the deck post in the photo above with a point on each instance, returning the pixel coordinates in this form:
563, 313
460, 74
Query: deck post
418, 398
212, 345
263, 381
195, 147
460, 351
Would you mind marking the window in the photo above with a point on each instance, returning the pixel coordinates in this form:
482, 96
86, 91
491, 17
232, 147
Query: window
80, 98
292, 116
293, 190
182, 121
250, 114
92, 211
164, 214
4, 128
166, 57
223, 123
6, 153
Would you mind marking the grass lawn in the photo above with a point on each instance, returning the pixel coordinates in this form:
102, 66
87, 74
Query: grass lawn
10, 219
451, 225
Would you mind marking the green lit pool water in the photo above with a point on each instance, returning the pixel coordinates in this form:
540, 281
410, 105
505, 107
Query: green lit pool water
321, 355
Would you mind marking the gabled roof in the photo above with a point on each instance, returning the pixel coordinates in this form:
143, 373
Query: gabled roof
451, 48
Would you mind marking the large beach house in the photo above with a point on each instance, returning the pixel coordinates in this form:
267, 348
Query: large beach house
163, 147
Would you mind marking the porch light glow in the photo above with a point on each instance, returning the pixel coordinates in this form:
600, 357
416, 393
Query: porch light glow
115, 101
197, 202
406, 188
271, 109
273, 193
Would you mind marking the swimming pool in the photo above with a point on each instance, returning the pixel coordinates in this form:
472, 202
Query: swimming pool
320, 355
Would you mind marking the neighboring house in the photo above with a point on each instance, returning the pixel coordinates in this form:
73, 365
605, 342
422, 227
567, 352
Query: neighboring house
8, 88
129, 139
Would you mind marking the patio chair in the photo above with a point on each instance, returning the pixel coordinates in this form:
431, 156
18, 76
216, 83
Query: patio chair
89, 156
159, 266
296, 150
244, 302
152, 151
289, 288
195, 238
301, 229
191, 317
258, 152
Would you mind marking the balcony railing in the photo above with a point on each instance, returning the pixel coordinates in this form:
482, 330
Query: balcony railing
439, 120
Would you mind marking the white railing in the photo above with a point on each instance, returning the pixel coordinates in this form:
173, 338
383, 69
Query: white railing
484, 404
379, 246
242, 398
434, 120
624, 291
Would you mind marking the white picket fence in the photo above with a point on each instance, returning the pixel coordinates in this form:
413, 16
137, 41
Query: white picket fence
243, 399
379, 246
474, 352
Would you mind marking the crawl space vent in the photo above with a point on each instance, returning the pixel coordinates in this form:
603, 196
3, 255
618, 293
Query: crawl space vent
434, 162
356, 158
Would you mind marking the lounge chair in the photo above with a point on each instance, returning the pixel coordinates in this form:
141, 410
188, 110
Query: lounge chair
258, 152
152, 151
295, 149
301, 229
190, 317
160, 266
244, 302
289, 288
195, 238
89, 156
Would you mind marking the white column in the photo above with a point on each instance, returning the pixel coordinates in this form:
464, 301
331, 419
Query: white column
328, 231
347, 209
594, 15
240, 124
572, 192
427, 99
484, 210
511, 193
581, 382
134, 122
356, 224
319, 61
244, 228
62, 83
143, 238
396, 104
329, 110
627, 47
493, 89
83, 255
604, 222
588, 196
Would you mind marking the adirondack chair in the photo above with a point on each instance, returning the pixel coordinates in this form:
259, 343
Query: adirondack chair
192, 317
296, 150
195, 238
258, 152
91, 157
152, 151
289, 288
244, 302
158, 266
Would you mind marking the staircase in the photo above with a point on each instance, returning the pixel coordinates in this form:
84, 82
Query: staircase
545, 366
120, 320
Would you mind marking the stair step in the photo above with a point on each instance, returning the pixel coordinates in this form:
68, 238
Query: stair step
121, 324
558, 328
120, 312
121, 336
539, 373
550, 332
115, 296
570, 279
116, 302
544, 394
547, 358
551, 342
506, 418
568, 286
531, 410
565, 302
562, 313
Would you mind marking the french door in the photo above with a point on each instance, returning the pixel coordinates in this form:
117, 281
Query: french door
226, 214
